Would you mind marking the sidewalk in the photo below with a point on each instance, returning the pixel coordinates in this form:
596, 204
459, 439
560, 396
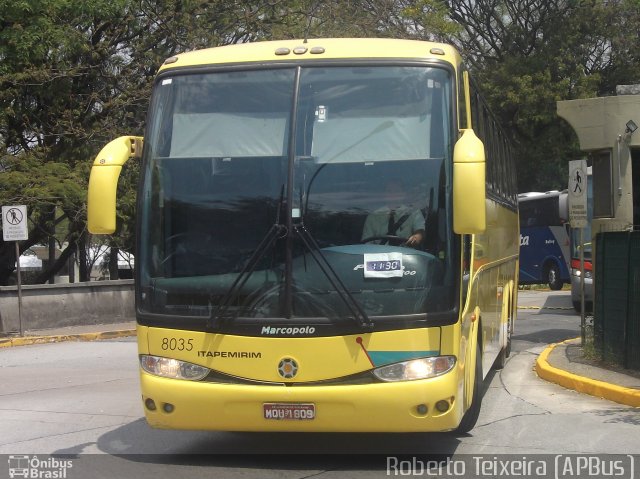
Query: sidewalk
565, 364
71, 333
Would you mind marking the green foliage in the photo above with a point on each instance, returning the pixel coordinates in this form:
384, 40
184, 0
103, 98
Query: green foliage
430, 20
76, 74
530, 54
59, 93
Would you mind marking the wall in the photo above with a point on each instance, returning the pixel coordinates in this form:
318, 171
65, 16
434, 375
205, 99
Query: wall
601, 125
56, 305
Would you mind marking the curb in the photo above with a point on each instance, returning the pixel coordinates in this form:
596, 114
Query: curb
593, 387
28, 340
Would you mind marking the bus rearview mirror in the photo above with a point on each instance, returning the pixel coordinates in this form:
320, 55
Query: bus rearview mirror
103, 182
469, 187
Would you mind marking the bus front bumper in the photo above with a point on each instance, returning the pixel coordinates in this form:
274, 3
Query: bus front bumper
410, 406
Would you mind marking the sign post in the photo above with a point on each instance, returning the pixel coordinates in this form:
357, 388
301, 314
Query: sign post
578, 219
14, 228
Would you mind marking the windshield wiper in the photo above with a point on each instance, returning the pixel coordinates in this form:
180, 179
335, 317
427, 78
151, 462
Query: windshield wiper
276, 231
359, 314
272, 235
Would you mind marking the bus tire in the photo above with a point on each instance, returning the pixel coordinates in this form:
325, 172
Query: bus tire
505, 352
471, 415
501, 360
553, 277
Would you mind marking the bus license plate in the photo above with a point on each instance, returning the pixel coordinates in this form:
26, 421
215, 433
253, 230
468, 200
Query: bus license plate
289, 411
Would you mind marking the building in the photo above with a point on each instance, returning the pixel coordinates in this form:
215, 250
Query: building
606, 128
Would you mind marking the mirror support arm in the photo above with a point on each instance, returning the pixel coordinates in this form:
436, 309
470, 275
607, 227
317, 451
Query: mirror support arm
103, 182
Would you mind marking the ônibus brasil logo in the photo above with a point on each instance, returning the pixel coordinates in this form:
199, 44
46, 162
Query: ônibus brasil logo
35, 468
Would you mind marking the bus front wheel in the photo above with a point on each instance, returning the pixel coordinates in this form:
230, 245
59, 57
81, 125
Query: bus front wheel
553, 277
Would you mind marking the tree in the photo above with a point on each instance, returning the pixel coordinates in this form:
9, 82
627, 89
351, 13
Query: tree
528, 54
75, 74
58, 89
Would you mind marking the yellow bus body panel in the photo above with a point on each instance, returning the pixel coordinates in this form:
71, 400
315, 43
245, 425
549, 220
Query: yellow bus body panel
391, 407
319, 359
387, 407
332, 49
495, 270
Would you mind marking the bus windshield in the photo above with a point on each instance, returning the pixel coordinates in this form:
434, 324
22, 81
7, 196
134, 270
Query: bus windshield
308, 192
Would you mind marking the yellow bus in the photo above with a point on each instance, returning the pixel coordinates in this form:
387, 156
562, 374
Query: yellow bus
327, 238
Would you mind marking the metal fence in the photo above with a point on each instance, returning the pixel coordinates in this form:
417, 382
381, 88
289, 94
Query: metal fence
616, 319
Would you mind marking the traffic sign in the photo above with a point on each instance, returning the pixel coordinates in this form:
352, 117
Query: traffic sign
578, 193
14, 223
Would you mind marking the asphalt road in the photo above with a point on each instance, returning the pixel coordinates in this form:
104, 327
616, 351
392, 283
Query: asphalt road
82, 401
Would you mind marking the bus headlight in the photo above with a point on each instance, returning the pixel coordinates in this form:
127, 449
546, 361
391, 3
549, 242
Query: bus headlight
423, 368
172, 368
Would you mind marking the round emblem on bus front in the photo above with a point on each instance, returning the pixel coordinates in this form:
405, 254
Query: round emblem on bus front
288, 368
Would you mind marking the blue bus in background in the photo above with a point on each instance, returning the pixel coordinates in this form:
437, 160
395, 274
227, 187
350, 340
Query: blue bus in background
545, 246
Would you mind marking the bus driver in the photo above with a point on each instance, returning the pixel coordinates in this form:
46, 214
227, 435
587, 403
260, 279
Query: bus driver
396, 218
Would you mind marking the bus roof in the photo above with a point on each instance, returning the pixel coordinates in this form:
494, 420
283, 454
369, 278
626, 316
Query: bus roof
314, 49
